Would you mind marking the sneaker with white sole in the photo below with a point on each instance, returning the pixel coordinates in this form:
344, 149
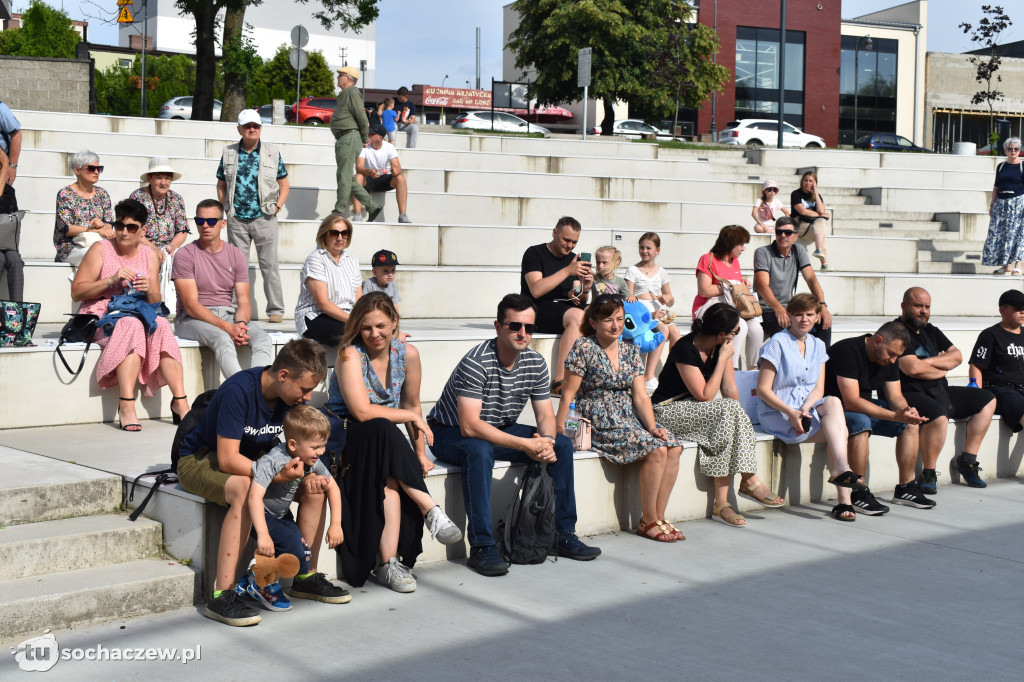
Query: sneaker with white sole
316, 587
229, 608
396, 575
441, 527
272, 597
910, 495
402, 218
865, 503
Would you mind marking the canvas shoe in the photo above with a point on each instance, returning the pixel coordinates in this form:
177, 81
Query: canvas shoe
441, 527
396, 575
230, 609
317, 587
403, 218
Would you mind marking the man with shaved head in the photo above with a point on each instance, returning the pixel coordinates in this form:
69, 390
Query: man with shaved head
923, 368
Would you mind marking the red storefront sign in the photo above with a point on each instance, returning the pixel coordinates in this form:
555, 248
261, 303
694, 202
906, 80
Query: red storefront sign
454, 97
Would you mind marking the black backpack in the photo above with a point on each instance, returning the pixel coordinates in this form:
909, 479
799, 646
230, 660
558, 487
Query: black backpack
188, 423
527, 533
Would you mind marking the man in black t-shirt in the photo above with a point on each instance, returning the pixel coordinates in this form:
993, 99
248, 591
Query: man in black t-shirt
557, 281
858, 367
406, 121
923, 368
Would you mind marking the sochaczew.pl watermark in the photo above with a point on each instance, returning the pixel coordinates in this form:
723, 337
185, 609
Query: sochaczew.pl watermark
42, 653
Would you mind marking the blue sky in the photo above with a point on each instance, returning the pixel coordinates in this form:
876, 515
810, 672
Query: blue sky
423, 40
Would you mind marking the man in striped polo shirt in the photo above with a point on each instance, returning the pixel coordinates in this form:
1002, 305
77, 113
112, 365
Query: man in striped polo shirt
475, 422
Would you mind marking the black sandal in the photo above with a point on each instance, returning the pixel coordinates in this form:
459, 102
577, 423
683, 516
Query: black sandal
848, 479
840, 509
131, 428
175, 417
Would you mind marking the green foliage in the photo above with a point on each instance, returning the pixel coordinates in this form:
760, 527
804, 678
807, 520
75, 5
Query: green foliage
352, 15
117, 93
683, 68
986, 35
240, 58
44, 32
276, 78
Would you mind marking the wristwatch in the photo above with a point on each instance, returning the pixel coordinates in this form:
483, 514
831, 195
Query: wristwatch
824, 304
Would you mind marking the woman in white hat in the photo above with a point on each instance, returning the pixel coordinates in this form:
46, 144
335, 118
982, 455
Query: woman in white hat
167, 227
768, 208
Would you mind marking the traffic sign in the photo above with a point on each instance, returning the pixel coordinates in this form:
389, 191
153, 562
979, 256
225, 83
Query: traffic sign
122, 3
297, 58
583, 70
125, 17
300, 36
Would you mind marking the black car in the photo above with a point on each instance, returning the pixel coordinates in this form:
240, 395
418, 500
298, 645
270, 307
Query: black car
887, 142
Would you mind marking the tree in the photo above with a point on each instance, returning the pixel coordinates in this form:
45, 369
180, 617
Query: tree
44, 32
986, 34
238, 65
345, 14
277, 78
684, 66
118, 94
621, 33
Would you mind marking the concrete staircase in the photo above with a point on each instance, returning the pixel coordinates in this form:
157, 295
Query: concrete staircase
69, 557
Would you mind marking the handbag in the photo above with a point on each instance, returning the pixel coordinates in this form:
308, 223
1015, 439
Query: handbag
81, 328
582, 441
17, 323
742, 299
167, 291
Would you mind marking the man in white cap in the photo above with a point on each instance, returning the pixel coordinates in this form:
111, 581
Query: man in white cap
253, 195
351, 132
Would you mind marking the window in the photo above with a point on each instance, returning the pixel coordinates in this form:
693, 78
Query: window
867, 87
757, 74
904, 142
125, 63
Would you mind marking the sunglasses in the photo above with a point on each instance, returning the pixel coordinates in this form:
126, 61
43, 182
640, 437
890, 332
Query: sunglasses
252, 126
344, 234
94, 169
1013, 149
132, 228
606, 298
784, 233
772, 190
516, 326
212, 222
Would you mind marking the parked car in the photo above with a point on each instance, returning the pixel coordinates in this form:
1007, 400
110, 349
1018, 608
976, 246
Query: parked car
313, 111
181, 108
266, 113
503, 122
634, 129
887, 142
756, 132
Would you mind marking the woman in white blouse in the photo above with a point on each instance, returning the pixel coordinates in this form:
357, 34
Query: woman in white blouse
330, 283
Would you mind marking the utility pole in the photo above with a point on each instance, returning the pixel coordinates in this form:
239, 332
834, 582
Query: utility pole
344, 55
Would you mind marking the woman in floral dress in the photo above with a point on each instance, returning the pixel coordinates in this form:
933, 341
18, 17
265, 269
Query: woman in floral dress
83, 210
167, 227
605, 377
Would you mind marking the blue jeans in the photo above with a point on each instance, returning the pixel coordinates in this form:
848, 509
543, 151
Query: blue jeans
858, 422
287, 539
476, 457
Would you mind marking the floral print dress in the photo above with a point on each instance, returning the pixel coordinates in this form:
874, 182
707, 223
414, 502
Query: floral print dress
166, 216
74, 209
605, 398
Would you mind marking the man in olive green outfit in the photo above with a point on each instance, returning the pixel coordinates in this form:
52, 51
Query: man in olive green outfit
351, 133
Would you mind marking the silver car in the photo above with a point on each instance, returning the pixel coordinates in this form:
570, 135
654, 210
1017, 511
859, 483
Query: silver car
502, 122
180, 108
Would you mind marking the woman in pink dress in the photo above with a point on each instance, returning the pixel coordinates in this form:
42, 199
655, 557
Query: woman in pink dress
112, 267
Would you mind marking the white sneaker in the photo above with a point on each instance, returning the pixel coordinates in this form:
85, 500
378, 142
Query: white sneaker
441, 527
357, 217
402, 218
396, 575
652, 385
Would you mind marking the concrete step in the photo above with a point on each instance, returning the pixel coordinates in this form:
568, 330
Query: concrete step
34, 549
948, 200
978, 180
855, 158
37, 489
93, 595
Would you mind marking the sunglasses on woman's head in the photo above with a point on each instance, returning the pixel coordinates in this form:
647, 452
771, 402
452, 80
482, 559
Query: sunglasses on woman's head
605, 298
339, 233
212, 222
516, 326
94, 169
131, 227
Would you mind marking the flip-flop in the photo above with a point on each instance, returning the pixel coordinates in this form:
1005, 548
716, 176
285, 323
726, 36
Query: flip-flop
848, 479
840, 509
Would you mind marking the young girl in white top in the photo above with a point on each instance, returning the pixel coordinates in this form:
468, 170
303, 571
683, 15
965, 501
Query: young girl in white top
648, 283
768, 208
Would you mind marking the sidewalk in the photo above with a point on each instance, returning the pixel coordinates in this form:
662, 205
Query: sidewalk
916, 594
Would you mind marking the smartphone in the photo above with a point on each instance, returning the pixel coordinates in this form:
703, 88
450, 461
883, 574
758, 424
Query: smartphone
805, 422
585, 256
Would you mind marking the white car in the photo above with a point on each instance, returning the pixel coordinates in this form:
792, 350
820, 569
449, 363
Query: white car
503, 122
756, 132
181, 108
634, 129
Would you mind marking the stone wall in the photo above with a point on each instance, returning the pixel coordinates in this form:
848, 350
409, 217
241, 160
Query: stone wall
45, 84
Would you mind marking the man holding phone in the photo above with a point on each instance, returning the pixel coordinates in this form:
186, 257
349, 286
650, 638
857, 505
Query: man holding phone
557, 281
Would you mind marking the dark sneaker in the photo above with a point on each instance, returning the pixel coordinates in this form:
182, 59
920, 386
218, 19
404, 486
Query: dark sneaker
928, 481
570, 546
910, 494
229, 608
318, 588
372, 215
272, 597
865, 503
487, 561
969, 472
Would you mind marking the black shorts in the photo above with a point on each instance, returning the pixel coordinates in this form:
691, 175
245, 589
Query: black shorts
549, 317
381, 184
1009, 405
952, 402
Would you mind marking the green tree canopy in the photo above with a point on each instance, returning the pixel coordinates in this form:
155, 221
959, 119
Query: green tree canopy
45, 32
683, 66
118, 94
277, 78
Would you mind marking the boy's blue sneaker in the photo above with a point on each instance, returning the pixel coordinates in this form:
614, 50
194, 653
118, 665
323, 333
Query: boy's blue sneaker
272, 596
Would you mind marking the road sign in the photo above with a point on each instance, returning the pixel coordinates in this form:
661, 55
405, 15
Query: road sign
124, 16
583, 71
122, 3
297, 58
300, 36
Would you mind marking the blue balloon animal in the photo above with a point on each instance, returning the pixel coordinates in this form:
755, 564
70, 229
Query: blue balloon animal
639, 327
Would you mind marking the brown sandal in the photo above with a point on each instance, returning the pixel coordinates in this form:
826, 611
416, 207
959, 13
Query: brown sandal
736, 521
675, 532
663, 535
769, 499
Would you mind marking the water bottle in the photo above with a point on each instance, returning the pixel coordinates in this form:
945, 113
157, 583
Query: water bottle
972, 383
572, 423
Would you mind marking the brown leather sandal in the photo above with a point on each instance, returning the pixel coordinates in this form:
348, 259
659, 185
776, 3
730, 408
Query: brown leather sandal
663, 535
768, 499
675, 532
736, 520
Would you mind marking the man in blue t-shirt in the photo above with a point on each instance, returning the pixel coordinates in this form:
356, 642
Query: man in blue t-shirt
10, 139
218, 458
407, 117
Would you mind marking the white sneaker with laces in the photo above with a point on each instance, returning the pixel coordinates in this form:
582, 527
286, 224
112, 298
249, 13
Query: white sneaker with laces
441, 527
396, 575
403, 218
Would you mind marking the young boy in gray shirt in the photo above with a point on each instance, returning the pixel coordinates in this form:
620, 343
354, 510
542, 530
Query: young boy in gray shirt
383, 266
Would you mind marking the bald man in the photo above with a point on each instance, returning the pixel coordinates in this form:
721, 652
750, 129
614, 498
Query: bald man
923, 368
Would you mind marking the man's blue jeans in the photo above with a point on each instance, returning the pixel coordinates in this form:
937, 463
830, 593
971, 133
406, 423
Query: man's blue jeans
476, 457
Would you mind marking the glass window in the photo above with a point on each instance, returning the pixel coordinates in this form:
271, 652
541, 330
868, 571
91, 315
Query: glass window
767, 65
903, 142
886, 75
794, 65
185, 102
746, 63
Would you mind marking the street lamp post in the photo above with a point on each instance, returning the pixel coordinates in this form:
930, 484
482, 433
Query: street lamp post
442, 108
868, 45
714, 93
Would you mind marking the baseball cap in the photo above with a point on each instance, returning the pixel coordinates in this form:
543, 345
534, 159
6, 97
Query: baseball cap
247, 116
1012, 297
385, 258
378, 129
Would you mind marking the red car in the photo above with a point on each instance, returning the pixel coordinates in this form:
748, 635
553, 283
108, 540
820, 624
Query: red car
312, 110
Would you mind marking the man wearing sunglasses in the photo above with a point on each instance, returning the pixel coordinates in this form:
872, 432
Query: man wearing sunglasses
252, 185
476, 422
211, 278
777, 267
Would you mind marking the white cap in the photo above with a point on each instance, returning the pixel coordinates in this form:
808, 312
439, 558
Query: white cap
247, 116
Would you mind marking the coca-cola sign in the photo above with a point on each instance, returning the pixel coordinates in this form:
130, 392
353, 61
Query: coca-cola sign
455, 97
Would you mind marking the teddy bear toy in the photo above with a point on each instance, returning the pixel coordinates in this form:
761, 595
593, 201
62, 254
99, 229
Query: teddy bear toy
639, 327
267, 570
